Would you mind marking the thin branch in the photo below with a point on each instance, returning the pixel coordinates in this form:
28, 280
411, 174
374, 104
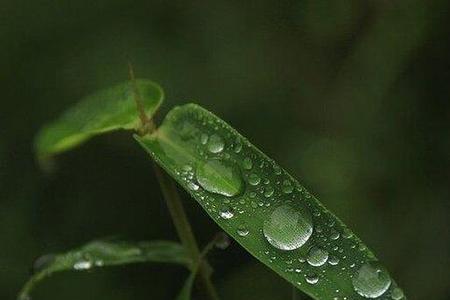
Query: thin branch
174, 205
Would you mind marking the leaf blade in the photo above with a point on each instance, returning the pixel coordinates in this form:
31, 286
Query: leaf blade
273, 217
104, 253
104, 111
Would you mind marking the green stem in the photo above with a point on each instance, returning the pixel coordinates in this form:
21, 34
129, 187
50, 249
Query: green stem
184, 230
173, 201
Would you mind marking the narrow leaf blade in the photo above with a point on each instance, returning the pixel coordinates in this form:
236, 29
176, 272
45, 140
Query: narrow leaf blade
104, 111
104, 253
264, 208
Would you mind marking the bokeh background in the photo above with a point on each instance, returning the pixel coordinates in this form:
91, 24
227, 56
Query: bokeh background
352, 97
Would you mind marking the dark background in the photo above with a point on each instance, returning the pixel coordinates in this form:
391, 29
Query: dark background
352, 97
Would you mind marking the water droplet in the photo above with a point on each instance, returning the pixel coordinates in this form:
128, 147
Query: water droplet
247, 163
226, 213
334, 234
82, 265
242, 230
220, 177
371, 280
333, 260
397, 294
203, 138
238, 146
277, 170
254, 179
288, 228
317, 256
287, 188
192, 186
347, 234
268, 191
312, 278
215, 144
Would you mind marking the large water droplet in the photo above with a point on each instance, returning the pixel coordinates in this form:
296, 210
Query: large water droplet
317, 256
288, 228
215, 144
371, 280
220, 177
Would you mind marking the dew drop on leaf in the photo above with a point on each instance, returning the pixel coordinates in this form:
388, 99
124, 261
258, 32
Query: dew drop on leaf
215, 144
247, 163
287, 188
82, 265
226, 213
288, 228
312, 278
317, 256
192, 186
334, 234
371, 280
254, 179
204, 138
268, 191
220, 177
242, 230
333, 260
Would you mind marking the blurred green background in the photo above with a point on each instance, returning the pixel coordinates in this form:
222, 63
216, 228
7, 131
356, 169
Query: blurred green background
352, 97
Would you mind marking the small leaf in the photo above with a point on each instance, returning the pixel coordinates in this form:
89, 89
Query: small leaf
107, 110
264, 208
101, 253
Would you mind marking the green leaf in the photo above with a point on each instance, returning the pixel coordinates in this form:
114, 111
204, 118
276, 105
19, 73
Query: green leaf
107, 110
103, 253
265, 209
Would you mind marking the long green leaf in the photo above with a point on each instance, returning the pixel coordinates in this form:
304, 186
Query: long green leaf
107, 110
265, 209
100, 253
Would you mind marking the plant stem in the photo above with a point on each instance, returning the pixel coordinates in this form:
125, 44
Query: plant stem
184, 230
173, 201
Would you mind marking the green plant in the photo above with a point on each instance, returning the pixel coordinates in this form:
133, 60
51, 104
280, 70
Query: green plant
246, 193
